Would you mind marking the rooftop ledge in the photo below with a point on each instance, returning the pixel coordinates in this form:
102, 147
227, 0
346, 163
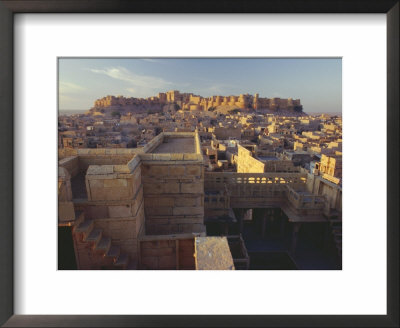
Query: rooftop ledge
173, 146
174, 143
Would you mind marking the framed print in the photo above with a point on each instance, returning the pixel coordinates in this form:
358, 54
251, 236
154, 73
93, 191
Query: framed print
52, 61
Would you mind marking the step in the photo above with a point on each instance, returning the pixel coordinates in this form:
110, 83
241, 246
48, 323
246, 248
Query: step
104, 244
114, 251
94, 235
85, 227
122, 260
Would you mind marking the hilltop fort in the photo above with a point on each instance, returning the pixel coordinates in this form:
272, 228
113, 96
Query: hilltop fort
175, 100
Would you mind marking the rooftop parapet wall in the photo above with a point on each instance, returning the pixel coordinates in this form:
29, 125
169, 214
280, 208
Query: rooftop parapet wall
153, 143
174, 142
65, 152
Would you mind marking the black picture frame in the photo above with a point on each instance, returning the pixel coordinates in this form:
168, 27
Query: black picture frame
7, 10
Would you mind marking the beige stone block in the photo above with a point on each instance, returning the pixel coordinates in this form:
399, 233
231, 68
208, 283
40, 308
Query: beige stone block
177, 170
161, 157
171, 188
186, 201
119, 211
188, 210
158, 211
159, 170
190, 157
159, 201
192, 188
96, 183
117, 193
115, 183
153, 188
177, 157
194, 170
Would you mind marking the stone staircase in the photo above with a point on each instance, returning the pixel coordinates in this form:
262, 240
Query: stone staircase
336, 228
114, 258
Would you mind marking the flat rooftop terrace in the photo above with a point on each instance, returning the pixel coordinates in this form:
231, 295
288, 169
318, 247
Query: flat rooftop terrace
175, 145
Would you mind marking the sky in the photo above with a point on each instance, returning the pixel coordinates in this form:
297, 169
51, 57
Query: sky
317, 82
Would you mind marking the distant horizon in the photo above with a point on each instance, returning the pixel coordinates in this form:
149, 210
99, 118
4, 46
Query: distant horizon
317, 82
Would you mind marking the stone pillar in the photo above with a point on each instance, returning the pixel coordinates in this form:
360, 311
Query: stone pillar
296, 229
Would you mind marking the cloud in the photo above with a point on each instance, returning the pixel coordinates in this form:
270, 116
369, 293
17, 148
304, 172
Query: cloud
69, 87
142, 85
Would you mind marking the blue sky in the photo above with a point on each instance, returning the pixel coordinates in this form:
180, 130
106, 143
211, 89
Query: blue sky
317, 82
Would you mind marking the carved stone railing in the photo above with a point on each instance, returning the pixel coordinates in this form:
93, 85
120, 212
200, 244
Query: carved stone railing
256, 185
288, 187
